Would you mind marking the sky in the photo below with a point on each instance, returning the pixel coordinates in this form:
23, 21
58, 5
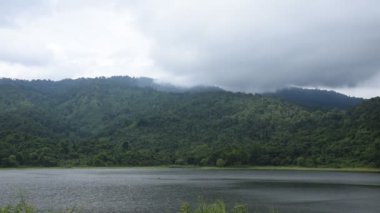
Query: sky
240, 45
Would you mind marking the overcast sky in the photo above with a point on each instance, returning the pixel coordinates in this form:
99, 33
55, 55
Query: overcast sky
240, 45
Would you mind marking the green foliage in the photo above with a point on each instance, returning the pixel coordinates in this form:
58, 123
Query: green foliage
25, 207
21, 207
116, 122
185, 208
239, 208
315, 98
215, 207
220, 162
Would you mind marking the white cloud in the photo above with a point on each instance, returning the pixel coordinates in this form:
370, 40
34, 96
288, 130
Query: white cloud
367, 89
240, 45
86, 42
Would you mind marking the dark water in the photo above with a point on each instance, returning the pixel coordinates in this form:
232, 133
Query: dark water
163, 190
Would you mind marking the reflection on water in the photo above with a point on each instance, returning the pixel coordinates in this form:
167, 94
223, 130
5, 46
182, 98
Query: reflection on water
162, 190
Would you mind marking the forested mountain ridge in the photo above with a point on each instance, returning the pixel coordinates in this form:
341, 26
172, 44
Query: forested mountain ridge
316, 98
117, 121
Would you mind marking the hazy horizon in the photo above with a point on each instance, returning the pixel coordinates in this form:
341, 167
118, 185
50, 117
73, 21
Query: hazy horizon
192, 86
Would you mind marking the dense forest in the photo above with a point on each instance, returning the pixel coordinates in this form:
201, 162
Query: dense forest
316, 98
133, 122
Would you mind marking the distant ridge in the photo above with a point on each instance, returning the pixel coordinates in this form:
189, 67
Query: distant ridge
316, 98
142, 82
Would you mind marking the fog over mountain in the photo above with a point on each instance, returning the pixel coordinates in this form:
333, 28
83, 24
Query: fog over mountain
243, 45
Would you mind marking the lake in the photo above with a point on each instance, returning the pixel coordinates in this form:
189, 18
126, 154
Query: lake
163, 190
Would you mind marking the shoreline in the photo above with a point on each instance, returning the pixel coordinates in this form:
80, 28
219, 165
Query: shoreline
253, 168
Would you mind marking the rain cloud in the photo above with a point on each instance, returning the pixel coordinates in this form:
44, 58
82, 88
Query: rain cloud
243, 45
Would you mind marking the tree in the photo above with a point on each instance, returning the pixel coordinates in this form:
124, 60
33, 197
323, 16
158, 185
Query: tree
220, 162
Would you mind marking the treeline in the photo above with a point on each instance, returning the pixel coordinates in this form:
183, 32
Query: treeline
116, 121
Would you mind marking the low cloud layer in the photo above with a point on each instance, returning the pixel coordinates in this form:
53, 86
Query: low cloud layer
242, 45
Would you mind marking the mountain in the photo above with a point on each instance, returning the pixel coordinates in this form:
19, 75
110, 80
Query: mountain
316, 99
126, 121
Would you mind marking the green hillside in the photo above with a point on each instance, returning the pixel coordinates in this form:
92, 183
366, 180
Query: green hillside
316, 98
119, 121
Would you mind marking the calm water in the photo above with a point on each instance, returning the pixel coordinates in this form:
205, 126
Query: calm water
162, 190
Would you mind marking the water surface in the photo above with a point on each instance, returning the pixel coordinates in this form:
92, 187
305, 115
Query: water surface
163, 190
